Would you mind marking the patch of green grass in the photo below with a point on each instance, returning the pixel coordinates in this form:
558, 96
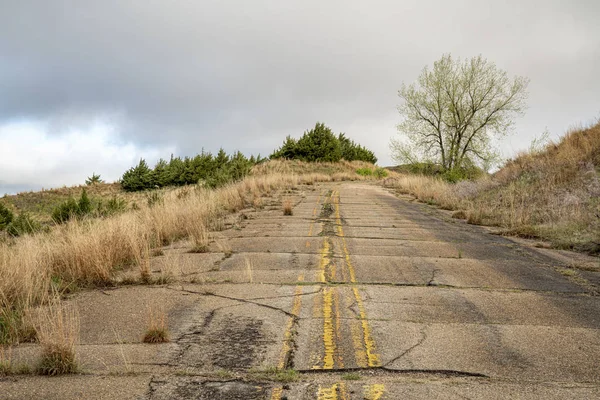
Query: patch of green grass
364, 171
568, 272
380, 173
224, 374
351, 376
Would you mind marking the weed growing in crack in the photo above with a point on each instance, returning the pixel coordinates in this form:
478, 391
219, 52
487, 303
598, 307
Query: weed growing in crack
224, 374
8, 367
287, 207
200, 238
351, 376
157, 326
58, 332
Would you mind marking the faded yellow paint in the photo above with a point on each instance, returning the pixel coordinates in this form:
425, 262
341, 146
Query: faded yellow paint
277, 393
344, 395
373, 392
338, 333
360, 354
372, 358
328, 393
324, 260
329, 342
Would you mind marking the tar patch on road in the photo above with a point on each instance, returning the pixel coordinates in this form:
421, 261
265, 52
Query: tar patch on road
195, 388
227, 342
237, 342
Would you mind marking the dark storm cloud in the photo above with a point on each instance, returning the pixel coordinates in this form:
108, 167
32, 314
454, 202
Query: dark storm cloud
244, 74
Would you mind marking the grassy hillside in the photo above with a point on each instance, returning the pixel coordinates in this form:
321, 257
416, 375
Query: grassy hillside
40, 204
551, 194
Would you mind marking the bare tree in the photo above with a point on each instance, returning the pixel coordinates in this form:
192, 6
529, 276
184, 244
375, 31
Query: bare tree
451, 113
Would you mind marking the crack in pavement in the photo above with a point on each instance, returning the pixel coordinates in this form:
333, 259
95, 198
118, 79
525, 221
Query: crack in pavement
432, 279
207, 293
419, 342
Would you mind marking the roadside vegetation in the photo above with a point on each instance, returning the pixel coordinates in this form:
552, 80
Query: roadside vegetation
85, 252
452, 113
318, 151
203, 169
320, 144
551, 193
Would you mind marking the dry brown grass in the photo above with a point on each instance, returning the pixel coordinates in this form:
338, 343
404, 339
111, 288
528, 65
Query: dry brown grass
58, 332
306, 168
553, 194
287, 206
91, 252
158, 331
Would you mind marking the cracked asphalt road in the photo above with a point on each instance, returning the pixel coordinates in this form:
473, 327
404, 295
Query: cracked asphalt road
367, 296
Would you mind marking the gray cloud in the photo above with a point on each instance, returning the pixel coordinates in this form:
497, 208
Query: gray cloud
243, 74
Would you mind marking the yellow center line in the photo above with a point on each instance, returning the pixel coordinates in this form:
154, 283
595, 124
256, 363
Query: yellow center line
338, 333
277, 393
373, 392
372, 358
329, 341
324, 261
333, 392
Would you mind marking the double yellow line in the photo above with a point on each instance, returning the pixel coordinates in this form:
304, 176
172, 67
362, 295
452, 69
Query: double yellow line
369, 358
338, 391
362, 337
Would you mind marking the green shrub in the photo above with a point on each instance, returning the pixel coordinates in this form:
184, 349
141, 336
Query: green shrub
467, 171
352, 151
364, 171
22, 225
112, 206
137, 178
218, 178
93, 180
380, 173
320, 144
65, 211
6, 216
203, 168
72, 209
84, 204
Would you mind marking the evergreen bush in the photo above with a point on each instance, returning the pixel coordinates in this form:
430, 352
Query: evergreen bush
22, 225
6, 216
320, 144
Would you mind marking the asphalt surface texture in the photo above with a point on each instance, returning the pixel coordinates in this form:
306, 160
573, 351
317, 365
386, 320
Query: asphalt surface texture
359, 294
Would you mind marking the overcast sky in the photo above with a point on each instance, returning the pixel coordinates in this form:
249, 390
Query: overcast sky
92, 86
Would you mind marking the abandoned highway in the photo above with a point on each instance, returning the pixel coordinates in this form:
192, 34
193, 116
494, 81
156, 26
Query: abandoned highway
360, 294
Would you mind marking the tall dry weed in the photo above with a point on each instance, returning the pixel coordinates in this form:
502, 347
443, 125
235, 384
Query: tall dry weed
57, 332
